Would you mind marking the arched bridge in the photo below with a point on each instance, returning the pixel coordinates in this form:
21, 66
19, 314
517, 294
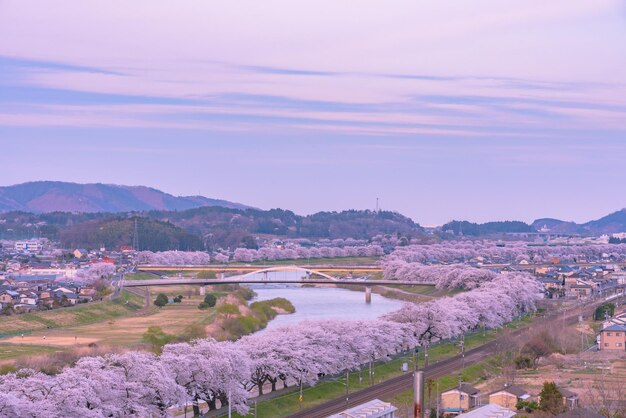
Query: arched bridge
277, 269
245, 268
250, 278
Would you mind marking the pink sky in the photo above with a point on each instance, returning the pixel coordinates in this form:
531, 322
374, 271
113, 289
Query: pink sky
467, 77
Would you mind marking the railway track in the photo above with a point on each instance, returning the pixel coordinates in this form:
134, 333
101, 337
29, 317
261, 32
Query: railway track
444, 367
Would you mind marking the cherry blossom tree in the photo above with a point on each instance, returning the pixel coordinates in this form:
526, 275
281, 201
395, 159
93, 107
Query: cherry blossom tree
220, 258
93, 273
210, 371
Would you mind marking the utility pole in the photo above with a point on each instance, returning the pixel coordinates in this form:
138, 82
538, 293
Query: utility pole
461, 372
437, 393
580, 325
229, 405
418, 388
376, 205
418, 391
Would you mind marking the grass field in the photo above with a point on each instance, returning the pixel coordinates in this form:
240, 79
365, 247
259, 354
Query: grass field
427, 290
126, 330
141, 276
13, 351
87, 313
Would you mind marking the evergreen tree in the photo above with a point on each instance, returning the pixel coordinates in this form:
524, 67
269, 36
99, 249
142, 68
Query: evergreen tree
161, 300
551, 399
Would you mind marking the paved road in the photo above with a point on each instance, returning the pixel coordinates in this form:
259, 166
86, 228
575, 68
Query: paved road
244, 280
118, 279
445, 367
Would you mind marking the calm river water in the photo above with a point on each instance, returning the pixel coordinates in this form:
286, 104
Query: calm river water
324, 303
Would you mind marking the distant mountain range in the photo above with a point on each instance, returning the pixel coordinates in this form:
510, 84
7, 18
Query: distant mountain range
612, 223
87, 206
57, 196
92, 215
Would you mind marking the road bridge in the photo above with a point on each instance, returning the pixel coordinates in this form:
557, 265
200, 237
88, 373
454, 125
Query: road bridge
252, 278
240, 280
253, 268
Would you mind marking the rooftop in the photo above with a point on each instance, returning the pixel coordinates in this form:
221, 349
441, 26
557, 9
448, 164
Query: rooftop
490, 410
465, 388
372, 409
515, 390
615, 328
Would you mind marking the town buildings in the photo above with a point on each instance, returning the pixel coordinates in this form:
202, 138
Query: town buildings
613, 338
459, 399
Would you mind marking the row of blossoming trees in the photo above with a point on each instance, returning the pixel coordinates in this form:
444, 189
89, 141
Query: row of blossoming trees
251, 255
461, 251
247, 255
142, 384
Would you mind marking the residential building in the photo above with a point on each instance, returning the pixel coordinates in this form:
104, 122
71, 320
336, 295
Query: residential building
31, 246
459, 399
581, 291
372, 409
80, 253
488, 411
613, 338
508, 396
9, 297
29, 298
66, 272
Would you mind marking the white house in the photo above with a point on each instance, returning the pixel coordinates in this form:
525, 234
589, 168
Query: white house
372, 409
490, 410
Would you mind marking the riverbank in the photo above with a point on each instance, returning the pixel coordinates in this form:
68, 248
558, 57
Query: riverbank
237, 317
54, 338
322, 303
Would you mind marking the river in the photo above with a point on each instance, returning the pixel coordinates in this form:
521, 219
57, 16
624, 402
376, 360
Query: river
324, 303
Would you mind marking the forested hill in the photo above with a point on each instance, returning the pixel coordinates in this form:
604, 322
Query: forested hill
231, 227
189, 229
51, 196
488, 228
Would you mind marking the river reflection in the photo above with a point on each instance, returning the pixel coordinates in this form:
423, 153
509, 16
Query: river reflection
324, 303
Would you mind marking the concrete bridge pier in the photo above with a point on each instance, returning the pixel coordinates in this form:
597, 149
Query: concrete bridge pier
147, 297
368, 294
202, 290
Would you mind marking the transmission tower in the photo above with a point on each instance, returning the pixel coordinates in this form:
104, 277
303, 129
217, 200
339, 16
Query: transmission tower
136, 237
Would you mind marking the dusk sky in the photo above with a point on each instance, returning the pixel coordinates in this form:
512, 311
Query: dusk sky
478, 110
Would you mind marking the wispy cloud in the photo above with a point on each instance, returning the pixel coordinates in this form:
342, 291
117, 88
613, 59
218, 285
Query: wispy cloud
398, 71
